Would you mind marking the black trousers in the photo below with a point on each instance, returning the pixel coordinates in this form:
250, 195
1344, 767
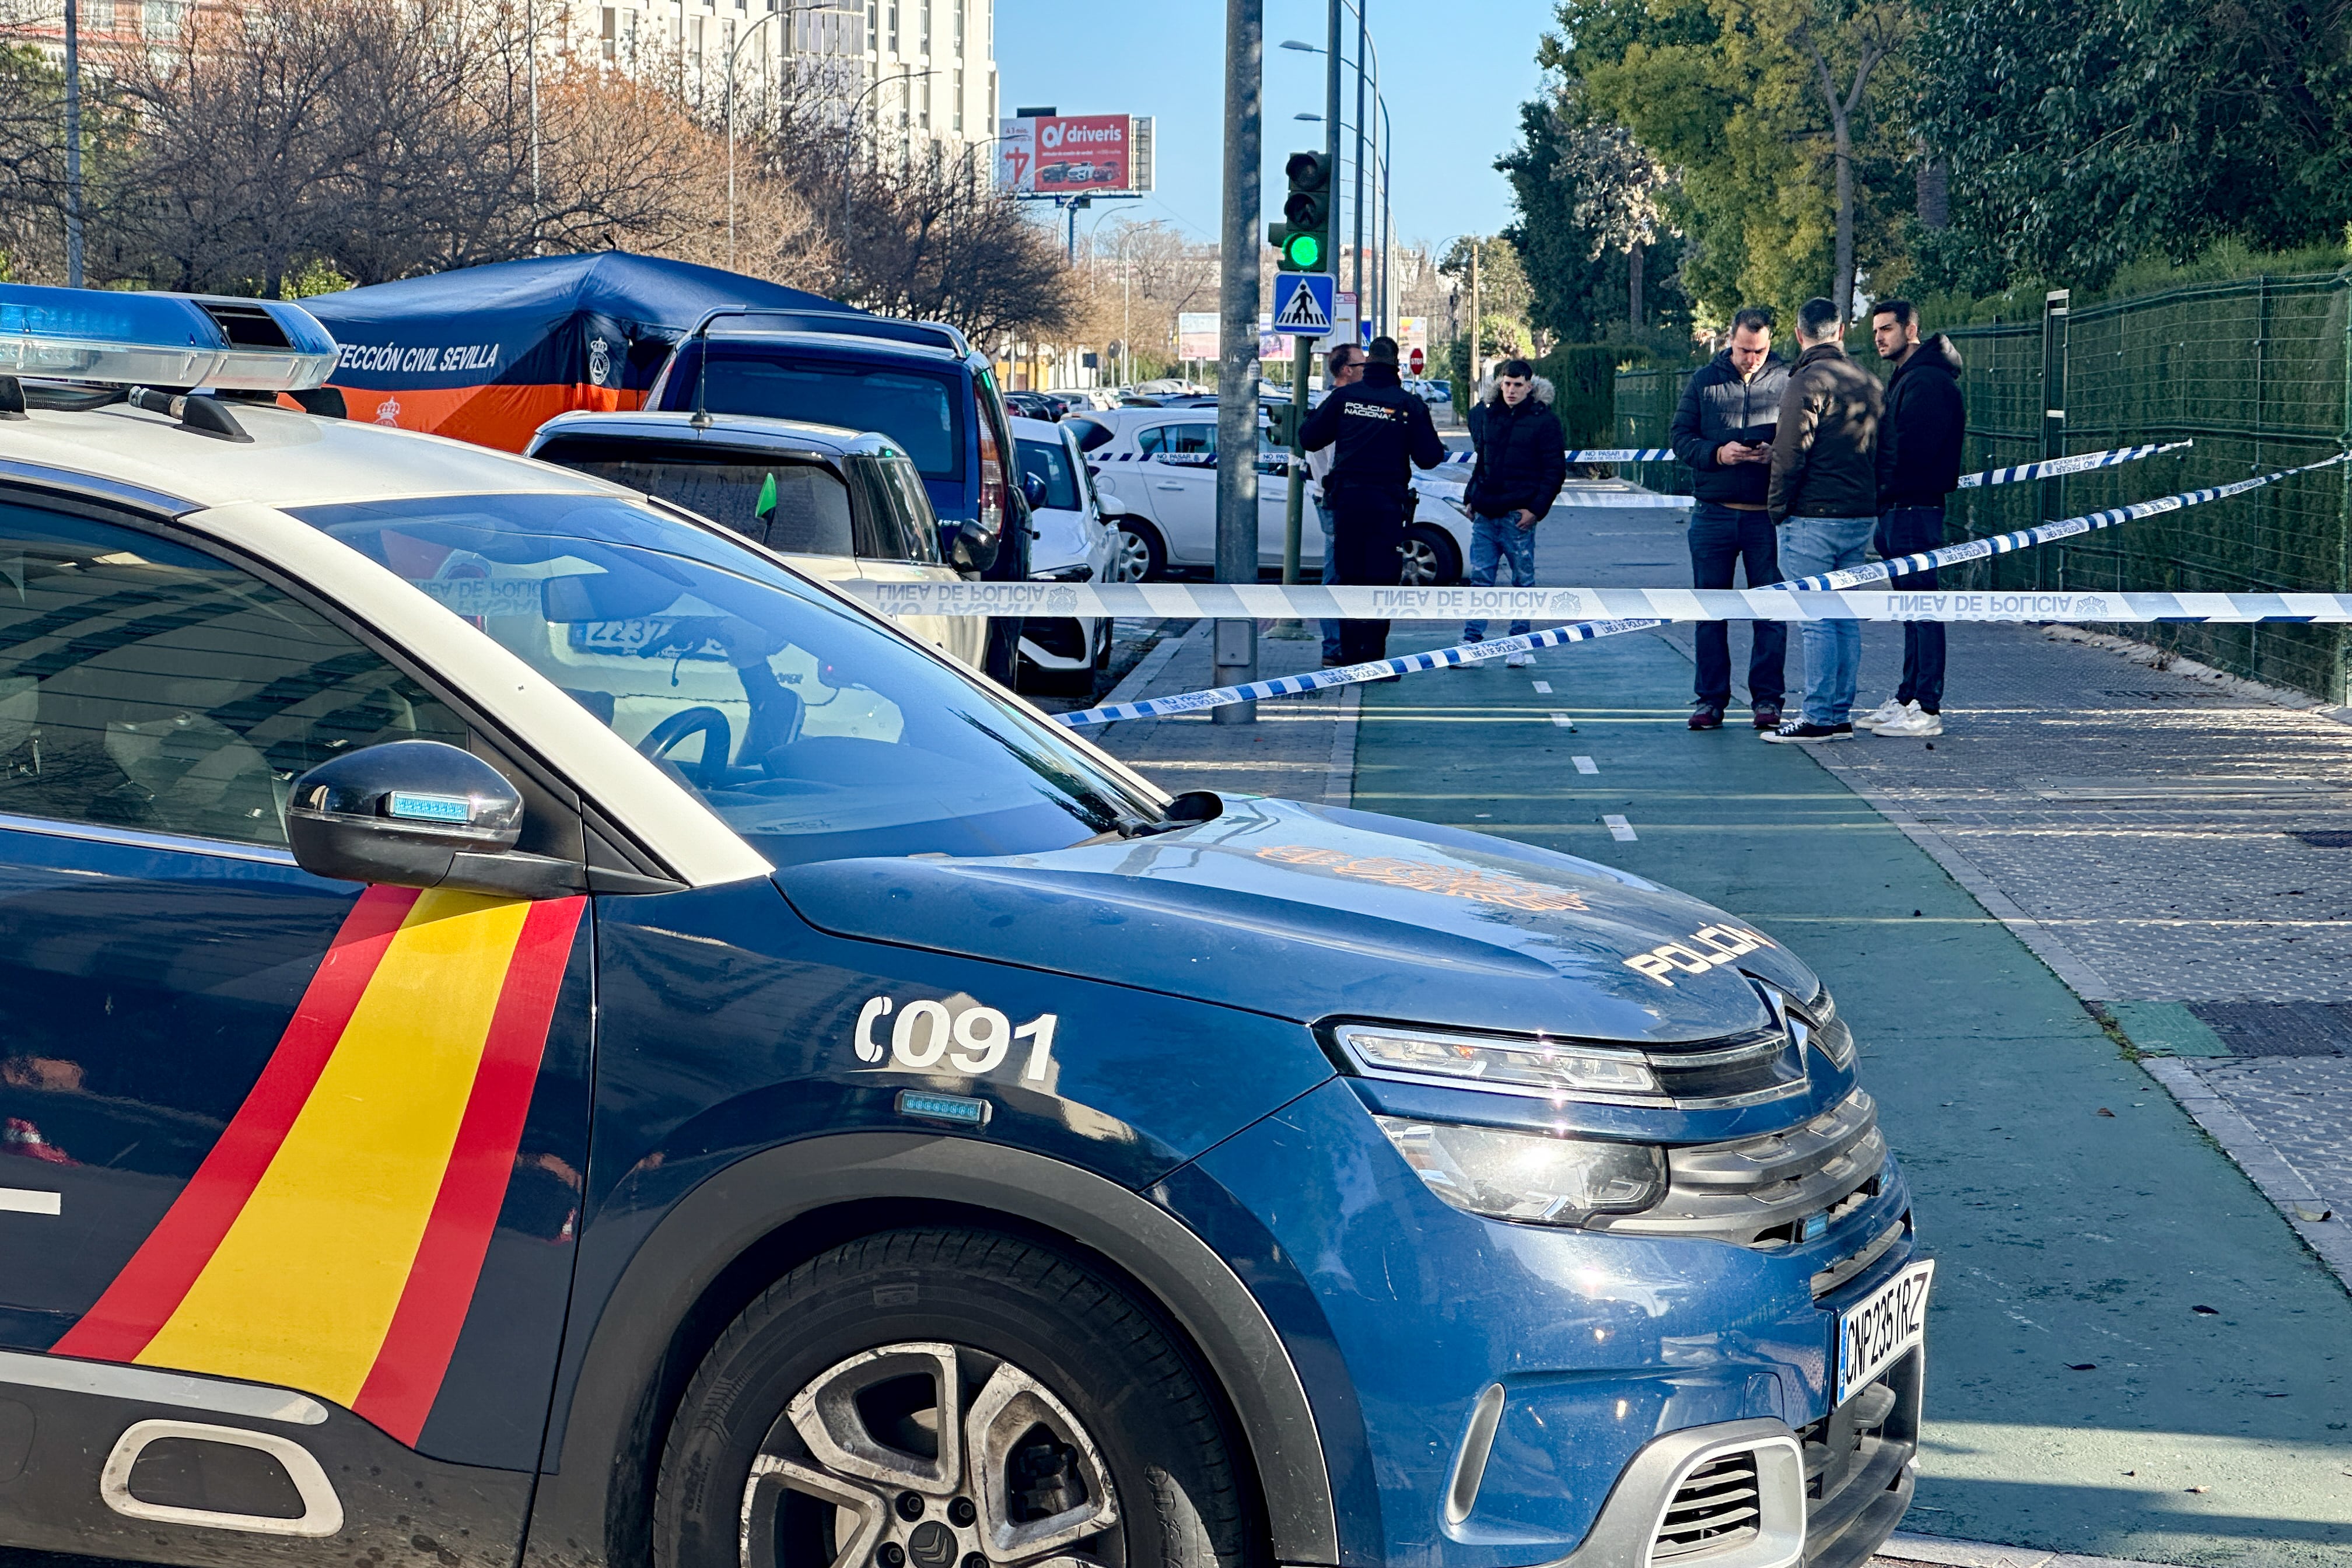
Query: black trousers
1720, 538
1910, 531
1366, 532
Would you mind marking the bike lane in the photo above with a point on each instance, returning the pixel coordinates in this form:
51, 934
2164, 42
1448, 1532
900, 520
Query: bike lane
2131, 1355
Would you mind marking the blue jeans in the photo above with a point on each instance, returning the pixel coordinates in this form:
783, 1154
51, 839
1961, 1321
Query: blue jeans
1330, 574
1832, 648
1908, 531
1720, 539
1493, 541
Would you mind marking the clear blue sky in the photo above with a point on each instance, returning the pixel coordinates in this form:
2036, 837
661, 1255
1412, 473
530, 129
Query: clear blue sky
1456, 74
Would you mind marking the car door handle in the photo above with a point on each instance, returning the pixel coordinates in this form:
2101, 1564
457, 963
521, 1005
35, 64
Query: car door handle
1166, 486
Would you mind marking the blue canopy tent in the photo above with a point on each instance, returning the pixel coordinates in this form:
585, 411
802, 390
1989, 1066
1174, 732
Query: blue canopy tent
491, 354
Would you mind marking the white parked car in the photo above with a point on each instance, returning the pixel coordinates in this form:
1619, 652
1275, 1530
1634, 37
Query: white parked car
1160, 465
1074, 542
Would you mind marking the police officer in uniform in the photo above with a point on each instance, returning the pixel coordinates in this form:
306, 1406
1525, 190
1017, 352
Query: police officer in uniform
1381, 432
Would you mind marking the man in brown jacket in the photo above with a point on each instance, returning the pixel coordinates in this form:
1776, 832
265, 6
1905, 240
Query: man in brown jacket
1822, 500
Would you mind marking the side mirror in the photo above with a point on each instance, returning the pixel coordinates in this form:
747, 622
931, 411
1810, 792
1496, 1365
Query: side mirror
419, 813
973, 549
1109, 507
1033, 490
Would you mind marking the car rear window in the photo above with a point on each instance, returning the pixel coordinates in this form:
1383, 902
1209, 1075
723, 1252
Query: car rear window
799, 508
920, 412
1092, 434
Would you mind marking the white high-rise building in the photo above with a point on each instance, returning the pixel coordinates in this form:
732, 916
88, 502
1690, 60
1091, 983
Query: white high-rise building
923, 71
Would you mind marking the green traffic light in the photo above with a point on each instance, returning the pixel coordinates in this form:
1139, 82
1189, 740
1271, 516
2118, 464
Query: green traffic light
1305, 251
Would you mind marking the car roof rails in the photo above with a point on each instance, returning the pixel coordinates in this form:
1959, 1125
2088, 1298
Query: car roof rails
850, 323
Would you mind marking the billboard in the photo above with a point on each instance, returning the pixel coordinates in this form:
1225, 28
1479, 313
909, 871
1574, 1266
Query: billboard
1073, 154
1196, 334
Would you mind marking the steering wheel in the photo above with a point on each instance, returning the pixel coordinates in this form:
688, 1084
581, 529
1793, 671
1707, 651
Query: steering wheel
718, 743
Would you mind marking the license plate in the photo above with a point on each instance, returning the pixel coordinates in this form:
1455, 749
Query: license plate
1888, 1323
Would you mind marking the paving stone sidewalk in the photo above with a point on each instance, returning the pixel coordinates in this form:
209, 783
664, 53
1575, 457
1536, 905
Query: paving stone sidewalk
2176, 845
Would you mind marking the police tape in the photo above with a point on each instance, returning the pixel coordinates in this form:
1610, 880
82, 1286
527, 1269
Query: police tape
1796, 593
2047, 468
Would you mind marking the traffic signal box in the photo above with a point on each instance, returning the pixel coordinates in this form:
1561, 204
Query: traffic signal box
1303, 242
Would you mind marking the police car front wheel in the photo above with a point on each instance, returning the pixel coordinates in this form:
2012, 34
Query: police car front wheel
948, 1399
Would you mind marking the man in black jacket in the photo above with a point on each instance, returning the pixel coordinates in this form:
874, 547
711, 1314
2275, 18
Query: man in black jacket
1918, 466
1522, 462
1823, 499
1723, 433
1382, 432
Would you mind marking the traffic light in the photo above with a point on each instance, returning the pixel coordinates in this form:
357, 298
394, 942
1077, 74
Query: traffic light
1304, 239
1282, 422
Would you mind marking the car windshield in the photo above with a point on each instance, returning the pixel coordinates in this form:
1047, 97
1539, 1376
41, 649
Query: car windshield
1050, 461
814, 732
919, 411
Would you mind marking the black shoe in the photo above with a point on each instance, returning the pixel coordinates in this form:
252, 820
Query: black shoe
1795, 731
1335, 664
1707, 719
1767, 717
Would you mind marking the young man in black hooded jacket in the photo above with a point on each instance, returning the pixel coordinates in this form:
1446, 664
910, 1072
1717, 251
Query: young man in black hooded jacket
1918, 467
1383, 432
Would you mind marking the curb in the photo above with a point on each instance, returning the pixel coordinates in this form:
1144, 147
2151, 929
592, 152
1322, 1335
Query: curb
1903, 1547
2279, 1181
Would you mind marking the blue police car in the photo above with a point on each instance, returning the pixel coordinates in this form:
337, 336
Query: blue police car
530, 1034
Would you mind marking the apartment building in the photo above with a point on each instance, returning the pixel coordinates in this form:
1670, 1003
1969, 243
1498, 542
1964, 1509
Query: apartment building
925, 69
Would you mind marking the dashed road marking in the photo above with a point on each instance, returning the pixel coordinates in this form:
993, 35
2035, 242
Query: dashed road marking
1543, 688
1619, 828
1563, 720
1585, 765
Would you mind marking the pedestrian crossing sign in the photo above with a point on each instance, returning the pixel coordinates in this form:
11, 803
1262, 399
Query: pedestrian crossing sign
1302, 304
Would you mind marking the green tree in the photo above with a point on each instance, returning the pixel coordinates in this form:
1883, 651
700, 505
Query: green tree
1601, 254
1774, 116
2082, 134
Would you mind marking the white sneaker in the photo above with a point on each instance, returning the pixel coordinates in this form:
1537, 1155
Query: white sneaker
1916, 725
1887, 712
1518, 661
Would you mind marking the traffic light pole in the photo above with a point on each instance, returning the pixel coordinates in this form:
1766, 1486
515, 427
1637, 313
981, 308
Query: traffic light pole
1302, 365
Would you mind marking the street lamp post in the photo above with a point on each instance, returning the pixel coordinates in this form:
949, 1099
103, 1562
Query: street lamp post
1382, 130
73, 145
847, 183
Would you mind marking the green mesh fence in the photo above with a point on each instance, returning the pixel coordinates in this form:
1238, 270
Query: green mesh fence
2254, 371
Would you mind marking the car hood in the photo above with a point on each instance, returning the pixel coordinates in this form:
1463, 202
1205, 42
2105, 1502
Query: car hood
1310, 912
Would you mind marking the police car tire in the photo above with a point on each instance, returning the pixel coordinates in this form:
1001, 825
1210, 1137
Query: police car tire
1140, 1395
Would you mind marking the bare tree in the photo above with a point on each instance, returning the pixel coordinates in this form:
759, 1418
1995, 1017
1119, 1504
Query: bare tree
1844, 45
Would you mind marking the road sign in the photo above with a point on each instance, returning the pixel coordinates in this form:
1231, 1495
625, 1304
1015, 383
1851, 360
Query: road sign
1302, 304
1414, 362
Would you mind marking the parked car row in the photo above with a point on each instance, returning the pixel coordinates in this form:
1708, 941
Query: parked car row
868, 448
1159, 466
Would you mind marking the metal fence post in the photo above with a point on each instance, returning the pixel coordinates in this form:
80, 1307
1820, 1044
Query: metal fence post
2053, 418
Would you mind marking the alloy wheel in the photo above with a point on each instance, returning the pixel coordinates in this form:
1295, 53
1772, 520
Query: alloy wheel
1133, 561
1420, 564
929, 1455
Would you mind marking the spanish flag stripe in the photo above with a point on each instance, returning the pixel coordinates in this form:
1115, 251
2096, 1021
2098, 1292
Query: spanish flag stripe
302, 1288
416, 1353
151, 1287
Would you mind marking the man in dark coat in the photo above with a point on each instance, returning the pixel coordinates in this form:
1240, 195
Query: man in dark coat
1522, 462
1382, 432
1823, 499
1918, 467
1723, 433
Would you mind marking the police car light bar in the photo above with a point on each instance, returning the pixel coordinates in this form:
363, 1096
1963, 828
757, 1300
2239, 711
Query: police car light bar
178, 341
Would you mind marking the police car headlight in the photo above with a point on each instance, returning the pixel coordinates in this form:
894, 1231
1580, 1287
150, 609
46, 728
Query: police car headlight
1514, 1067
1534, 1178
